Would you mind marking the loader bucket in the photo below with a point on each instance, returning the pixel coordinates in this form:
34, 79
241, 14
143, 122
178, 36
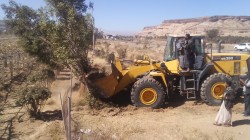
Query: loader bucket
107, 85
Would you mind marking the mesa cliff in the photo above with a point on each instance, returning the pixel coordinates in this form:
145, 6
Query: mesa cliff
227, 25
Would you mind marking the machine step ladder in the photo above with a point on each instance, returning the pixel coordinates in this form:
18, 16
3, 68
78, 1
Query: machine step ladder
189, 85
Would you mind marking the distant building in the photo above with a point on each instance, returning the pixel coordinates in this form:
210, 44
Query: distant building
110, 37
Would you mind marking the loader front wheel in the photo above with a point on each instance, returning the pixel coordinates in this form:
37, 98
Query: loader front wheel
147, 92
212, 89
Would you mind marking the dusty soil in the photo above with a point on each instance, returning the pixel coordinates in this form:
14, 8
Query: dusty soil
179, 119
187, 121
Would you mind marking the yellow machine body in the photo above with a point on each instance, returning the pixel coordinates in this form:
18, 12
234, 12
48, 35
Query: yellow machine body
120, 78
216, 65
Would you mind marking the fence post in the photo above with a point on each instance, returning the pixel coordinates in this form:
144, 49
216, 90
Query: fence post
11, 69
2, 71
69, 119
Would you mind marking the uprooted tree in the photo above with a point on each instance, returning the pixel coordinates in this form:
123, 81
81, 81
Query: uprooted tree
59, 34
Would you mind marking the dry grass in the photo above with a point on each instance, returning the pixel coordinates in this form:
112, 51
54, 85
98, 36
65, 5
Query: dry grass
99, 62
55, 131
80, 98
50, 102
193, 134
223, 136
134, 49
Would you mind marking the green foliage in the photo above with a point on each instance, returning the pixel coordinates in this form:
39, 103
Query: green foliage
33, 98
58, 34
43, 77
212, 34
36, 90
234, 39
30, 81
125, 38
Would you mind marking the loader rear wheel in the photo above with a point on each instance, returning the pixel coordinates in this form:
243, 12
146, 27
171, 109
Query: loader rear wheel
147, 92
212, 89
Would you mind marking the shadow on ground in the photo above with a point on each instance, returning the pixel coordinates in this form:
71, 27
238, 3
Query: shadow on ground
63, 78
241, 122
50, 115
8, 131
123, 99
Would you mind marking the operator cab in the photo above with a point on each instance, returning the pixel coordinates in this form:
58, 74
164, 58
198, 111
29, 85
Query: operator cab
172, 52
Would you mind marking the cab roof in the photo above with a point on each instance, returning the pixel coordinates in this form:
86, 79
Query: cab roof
192, 35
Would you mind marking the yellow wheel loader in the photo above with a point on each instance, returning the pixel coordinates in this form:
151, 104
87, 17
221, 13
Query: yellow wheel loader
151, 82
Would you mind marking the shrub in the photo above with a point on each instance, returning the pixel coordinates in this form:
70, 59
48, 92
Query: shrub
212, 34
234, 39
110, 58
42, 78
33, 98
145, 46
122, 52
100, 53
139, 57
36, 90
106, 47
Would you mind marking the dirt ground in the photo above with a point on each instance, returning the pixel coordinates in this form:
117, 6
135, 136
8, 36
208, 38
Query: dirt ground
178, 120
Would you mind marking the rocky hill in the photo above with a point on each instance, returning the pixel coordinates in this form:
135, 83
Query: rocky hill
227, 25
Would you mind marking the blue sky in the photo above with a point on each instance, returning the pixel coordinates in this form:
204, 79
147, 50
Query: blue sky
130, 16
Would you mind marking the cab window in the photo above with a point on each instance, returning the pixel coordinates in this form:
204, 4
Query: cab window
199, 50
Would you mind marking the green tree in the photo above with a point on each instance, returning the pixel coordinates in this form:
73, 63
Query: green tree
59, 34
35, 90
33, 98
212, 34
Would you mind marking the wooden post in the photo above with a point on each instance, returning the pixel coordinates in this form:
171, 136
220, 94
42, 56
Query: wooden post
69, 118
11, 69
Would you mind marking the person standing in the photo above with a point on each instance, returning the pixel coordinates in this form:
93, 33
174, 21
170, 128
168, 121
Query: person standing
246, 92
224, 115
189, 52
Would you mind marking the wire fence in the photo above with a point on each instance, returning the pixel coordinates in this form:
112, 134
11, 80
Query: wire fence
66, 109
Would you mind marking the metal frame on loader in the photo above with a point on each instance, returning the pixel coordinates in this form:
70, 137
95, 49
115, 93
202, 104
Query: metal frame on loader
150, 82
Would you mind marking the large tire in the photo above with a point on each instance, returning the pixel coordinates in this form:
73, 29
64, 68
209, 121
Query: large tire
212, 89
147, 92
